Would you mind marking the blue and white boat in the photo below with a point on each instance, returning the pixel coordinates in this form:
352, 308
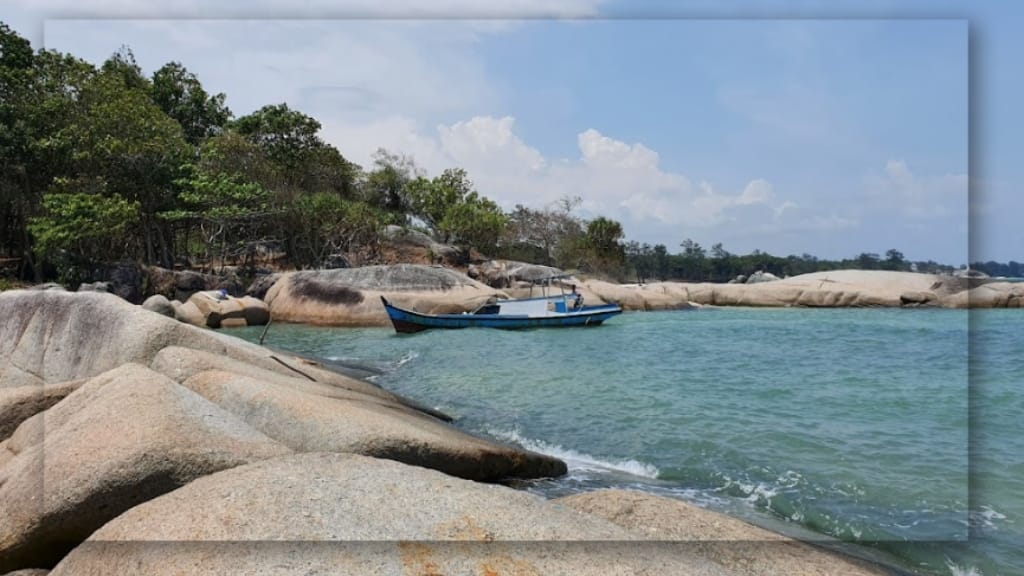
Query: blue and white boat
562, 310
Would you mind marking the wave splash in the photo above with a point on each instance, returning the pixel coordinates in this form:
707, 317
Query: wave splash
579, 462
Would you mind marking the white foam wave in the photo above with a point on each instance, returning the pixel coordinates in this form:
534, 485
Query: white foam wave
409, 357
577, 461
752, 492
957, 570
986, 517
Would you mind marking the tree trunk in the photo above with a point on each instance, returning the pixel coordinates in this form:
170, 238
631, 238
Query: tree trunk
162, 240
148, 234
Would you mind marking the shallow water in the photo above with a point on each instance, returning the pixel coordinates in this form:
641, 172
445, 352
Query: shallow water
899, 430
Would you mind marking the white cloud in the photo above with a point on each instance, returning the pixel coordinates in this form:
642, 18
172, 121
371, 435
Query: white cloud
897, 188
757, 192
614, 178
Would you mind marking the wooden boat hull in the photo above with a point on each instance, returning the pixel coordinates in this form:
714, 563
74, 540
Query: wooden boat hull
408, 321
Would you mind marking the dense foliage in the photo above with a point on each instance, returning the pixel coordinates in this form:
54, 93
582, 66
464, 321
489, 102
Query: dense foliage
102, 164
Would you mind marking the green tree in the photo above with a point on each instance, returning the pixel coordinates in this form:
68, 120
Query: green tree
867, 261
334, 225
454, 211
38, 97
476, 222
303, 161
181, 96
603, 241
661, 263
16, 75
83, 227
285, 134
894, 260
231, 215
120, 136
386, 185
431, 200
692, 261
121, 64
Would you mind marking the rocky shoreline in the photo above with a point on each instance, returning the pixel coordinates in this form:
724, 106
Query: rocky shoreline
349, 297
133, 443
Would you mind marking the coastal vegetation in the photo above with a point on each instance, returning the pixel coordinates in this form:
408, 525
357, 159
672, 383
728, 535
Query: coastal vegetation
105, 164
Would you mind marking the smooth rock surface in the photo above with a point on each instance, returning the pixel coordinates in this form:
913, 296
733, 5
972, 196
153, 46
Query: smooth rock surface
506, 273
355, 515
122, 438
344, 514
362, 424
351, 297
19, 403
837, 288
218, 310
729, 542
159, 304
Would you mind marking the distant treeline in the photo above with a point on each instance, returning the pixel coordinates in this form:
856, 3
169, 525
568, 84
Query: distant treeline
695, 264
104, 164
1011, 269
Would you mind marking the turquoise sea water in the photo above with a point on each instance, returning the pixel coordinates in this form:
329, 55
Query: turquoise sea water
899, 430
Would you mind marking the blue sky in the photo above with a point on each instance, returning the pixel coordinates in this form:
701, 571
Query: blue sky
829, 128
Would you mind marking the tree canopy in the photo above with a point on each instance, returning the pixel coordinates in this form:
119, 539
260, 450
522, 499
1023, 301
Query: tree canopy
102, 163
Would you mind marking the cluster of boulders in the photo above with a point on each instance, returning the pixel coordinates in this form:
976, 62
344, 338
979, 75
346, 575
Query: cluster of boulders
351, 296
511, 274
212, 309
413, 246
838, 288
132, 443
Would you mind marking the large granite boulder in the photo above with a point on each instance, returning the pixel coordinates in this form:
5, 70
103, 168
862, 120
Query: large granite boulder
262, 283
330, 513
360, 424
413, 245
53, 337
839, 288
351, 297
218, 309
731, 543
651, 296
180, 285
507, 273
761, 276
159, 304
379, 517
131, 432
836, 288
19, 403
125, 279
988, 295
122, 438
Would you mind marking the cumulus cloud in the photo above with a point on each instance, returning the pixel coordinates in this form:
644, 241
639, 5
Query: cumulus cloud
614, 178
915, 197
